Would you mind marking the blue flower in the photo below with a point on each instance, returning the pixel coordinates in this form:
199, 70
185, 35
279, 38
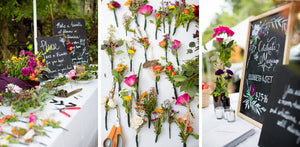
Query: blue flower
229, 71
219, 72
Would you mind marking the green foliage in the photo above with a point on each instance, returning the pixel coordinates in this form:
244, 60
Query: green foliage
242, 9
56, 82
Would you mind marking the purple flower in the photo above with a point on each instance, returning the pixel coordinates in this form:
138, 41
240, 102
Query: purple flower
154, 112
219, 72
228, 77
166, 36
172, 117
196, 35
116, 4
252, 90
32, 63
172, 111
29, 54
5, 73
25, 71
22, 52
229, 71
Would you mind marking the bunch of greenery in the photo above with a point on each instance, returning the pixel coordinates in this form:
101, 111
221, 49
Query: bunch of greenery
56, 82
149, 104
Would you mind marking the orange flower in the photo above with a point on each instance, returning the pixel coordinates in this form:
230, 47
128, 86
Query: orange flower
190, 129
173, 73
143, 94
193, 7
128, 3
157, 68
160, 116
36, 71
180, 120
162, 44
32, 76
44, 122
185, 11
7, 116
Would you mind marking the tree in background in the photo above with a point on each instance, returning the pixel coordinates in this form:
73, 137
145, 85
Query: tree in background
242, 9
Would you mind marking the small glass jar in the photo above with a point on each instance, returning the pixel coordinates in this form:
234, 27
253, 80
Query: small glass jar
219, 111
230, 115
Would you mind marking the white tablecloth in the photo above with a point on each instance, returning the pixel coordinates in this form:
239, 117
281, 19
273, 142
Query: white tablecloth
220, 132
82, 125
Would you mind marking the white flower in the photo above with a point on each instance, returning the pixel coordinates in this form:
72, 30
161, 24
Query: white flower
4, 142
29, 134
255, 30
136, 122
104, 99
111, 103
13, 88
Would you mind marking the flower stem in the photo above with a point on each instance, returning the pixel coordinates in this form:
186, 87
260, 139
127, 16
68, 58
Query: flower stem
156, 137
130, 64
145, 55
169, 29
128, 119
174, 31
112, 64
187, 27
145, 24
119, 83
116, 19
166, 54
164, 25
136, 20
137, 94
156, 34
126, 32
175, 91
106, 112
184, 144
149, 121
156, 87
191, 113
136, 140
170, 130
176, 54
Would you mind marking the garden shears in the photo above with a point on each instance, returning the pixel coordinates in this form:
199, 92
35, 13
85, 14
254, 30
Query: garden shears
115, 134
67, 108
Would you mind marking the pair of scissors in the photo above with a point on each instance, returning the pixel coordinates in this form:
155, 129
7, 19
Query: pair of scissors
67, 108
115, 134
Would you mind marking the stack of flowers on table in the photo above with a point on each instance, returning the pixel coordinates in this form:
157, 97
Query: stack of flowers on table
221, 65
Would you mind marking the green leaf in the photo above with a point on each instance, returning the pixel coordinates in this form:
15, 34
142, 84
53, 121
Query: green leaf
230, 43
163, 58
120, 43
151, 21
119, 52
192, 44
192, 91
189, 51
179, 78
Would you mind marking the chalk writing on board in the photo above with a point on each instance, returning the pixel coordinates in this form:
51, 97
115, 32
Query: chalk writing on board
74, 30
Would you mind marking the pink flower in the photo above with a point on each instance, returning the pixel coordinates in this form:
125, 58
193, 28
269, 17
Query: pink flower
25, 71
176, 44
5, 73
185, 98
222, 29
146, 10
219, 39
32, 118
72, 74
22, 52
131, 80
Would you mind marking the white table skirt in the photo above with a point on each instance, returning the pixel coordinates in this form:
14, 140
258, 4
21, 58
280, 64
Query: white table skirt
220, 132
82, 125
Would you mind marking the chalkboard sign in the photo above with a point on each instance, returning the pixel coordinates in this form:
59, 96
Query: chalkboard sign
267, 47
281, 126
58, 59
74, 30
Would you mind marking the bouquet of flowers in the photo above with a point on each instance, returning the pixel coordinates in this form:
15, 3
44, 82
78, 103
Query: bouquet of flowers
131, 51
111, 44
8, 119
170, 72
126, 23
187, 16
118, 74
146, 10
175, 46
138, 121
164, 44
84, 76
134, 6
127, 102
113, 5
168, 14
143, 41
27, 66
223, 55
169, 114
149, 103
52, 123
157, 121
178, 10
185, 123
109, 103
157, 69
158, 21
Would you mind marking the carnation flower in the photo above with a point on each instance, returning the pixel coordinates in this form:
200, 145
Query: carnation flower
131, 80
136, 122
111, 103
146, 10
25, 71
185, 98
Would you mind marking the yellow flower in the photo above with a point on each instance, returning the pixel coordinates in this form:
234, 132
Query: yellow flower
118, 69
160, 116
43, 60
30, 125
159, 111
7, 137
143, 94
172, 7
128, 98
128, 3
130, 51
82, 73
14, 57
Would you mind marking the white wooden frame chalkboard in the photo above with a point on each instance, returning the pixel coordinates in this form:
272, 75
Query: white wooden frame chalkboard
290, 8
